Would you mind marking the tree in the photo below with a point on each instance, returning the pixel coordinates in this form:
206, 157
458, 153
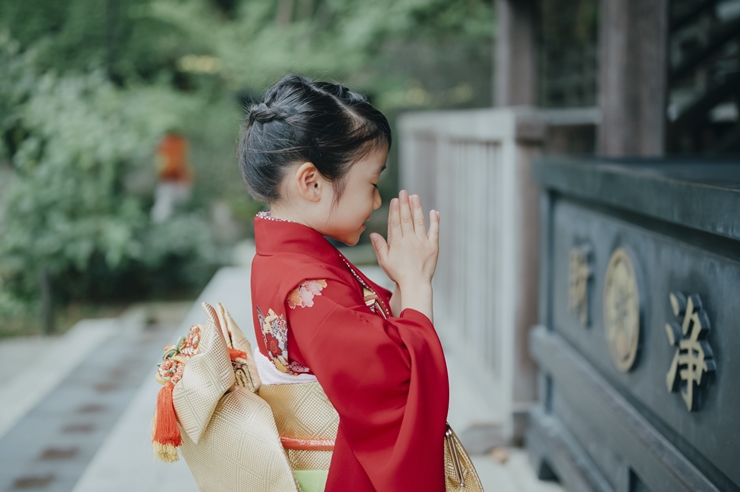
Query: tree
368, 45
89, 86
71, 141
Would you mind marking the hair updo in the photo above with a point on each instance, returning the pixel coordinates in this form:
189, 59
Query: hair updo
300, 120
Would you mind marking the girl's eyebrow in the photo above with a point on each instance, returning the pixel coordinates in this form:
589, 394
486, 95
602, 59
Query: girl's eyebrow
385, 166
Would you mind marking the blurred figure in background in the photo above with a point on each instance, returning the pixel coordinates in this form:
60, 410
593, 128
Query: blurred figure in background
174, 176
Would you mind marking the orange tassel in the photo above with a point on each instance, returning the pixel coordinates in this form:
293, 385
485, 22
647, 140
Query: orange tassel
237, 354
166, 434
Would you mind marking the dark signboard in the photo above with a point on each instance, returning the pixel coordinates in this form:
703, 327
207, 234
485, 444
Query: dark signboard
640, 326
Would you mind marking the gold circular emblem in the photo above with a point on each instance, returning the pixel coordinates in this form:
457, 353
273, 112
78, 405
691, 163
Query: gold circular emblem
622, 310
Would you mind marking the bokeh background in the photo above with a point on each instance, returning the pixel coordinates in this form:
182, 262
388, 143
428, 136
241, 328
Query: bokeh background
121, 207
90, 89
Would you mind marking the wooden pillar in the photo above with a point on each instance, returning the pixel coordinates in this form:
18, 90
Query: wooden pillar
515, 67
632, 77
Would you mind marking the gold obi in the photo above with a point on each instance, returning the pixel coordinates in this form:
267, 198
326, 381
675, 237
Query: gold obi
306, 422
239, 435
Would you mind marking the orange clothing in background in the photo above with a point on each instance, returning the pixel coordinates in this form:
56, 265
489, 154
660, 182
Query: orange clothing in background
173, 164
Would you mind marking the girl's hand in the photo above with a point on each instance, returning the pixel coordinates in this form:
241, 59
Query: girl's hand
409, 257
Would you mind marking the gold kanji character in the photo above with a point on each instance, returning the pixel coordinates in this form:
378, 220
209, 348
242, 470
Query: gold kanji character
579, 276
693, 359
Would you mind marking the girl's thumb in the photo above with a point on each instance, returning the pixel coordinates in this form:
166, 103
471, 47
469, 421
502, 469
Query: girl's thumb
379, 245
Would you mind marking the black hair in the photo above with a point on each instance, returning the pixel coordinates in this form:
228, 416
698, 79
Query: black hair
299, 120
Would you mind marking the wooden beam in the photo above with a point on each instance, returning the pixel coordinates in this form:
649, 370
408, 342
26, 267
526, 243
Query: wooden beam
633, 77
515, 74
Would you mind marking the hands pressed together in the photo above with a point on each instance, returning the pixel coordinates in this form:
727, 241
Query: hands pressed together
409, 256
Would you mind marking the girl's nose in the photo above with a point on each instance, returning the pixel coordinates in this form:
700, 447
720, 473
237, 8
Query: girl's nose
377, 201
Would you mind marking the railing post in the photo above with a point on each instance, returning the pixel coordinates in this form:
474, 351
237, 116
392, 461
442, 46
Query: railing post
486, 282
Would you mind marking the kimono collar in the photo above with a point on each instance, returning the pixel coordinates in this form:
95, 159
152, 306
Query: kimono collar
275, 236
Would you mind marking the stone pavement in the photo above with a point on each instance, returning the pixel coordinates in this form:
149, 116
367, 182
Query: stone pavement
127, 454
33, 366
51, 445
81, 422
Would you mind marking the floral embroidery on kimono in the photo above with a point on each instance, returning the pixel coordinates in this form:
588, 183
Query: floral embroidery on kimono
304, 294
275, 331
392, 411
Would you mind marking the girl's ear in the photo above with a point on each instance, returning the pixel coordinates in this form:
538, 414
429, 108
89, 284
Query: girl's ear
310, 182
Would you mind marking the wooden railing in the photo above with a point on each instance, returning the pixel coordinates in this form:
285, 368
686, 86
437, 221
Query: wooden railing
473, 166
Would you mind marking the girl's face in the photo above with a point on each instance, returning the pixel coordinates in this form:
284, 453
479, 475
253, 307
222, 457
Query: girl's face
346, 217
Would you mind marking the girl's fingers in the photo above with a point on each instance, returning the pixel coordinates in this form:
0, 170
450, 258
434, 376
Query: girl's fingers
433, 227
416, 210
407, 222
380, 246
394, 221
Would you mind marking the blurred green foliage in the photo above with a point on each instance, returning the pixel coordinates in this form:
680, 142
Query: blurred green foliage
408, 53
90, 86
65, 209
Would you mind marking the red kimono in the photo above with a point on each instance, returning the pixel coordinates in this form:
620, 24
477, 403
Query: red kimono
385, 376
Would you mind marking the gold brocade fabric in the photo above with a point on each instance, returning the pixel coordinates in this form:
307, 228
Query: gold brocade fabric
463, 465
246, 376
303, 412
301, 459
230, 441
240, 451
207, 376
232, 427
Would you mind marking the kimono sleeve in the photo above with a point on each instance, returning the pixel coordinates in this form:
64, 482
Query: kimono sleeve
387, 378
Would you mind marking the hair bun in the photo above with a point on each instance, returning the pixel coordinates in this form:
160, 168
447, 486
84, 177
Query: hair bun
262, 113
299, 120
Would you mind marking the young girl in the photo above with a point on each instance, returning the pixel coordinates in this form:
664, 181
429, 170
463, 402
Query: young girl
314, 152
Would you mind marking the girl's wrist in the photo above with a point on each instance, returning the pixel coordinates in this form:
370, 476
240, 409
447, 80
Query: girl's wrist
419, 293
418, 297
414, 285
